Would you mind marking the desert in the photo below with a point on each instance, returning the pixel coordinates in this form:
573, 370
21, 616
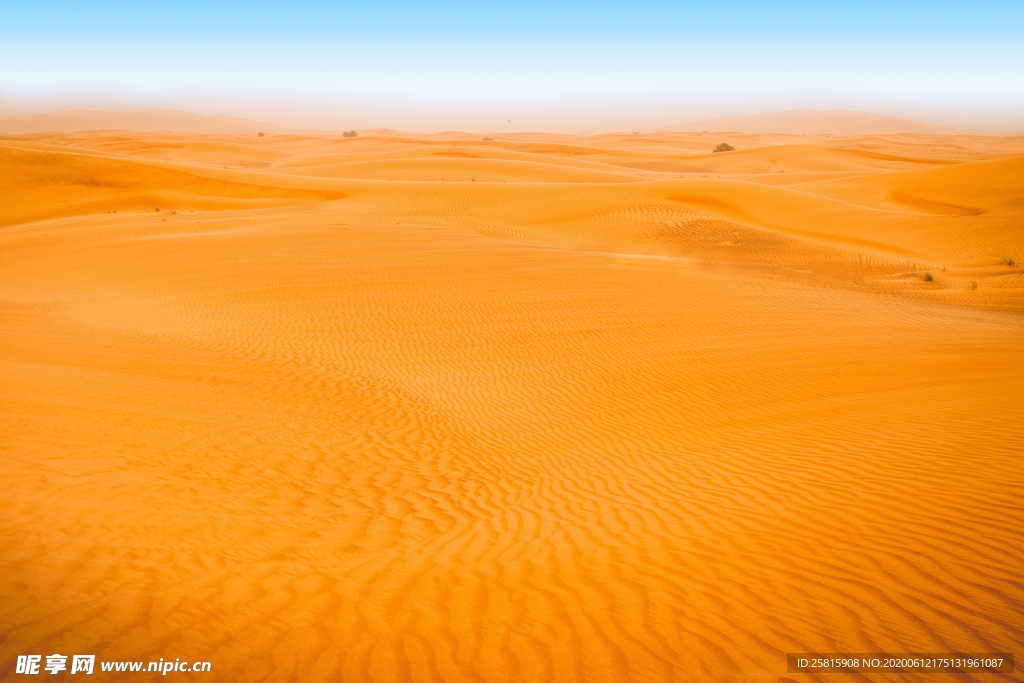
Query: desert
510, 406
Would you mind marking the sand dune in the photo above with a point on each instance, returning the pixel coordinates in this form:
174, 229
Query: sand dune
44, 184
529, 408
961, 190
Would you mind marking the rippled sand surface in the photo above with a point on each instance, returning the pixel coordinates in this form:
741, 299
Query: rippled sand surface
516, 408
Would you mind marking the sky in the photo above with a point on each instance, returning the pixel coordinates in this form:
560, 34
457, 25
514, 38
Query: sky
465, 64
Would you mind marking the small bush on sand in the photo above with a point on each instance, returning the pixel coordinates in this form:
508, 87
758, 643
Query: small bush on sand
972, 285
1009, 261
724, 147
350, 133
260, 134
927, 277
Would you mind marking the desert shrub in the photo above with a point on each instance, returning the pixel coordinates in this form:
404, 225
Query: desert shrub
350, 133
927, 277
724, 147
260, 134
1009, 261
972, 285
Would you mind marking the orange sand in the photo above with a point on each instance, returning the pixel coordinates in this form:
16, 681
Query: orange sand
530, 408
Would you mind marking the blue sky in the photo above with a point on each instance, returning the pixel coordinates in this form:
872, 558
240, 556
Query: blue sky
640, 59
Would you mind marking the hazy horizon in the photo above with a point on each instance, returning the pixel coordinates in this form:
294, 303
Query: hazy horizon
572, 68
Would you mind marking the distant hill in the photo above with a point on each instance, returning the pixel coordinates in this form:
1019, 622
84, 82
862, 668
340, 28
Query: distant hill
138, 120
812, 122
